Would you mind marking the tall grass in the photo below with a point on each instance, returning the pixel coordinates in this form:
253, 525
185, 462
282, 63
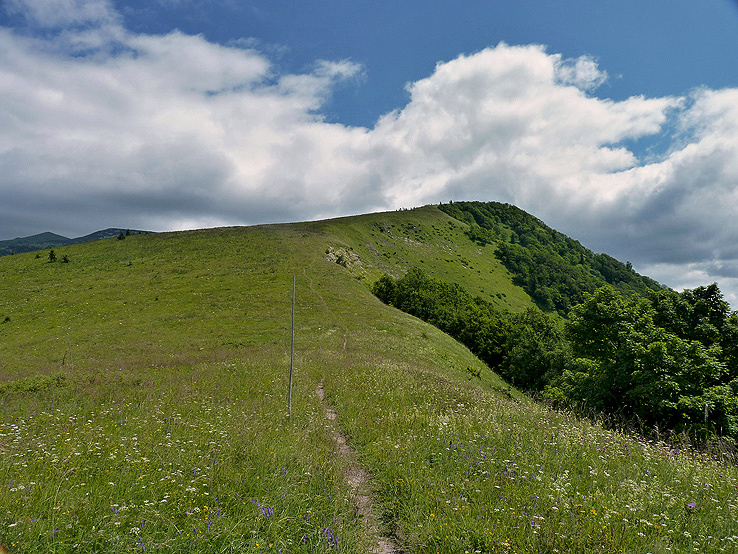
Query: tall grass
459, 469
197, 459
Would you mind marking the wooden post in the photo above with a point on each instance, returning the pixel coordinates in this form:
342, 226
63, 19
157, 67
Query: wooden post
292, 349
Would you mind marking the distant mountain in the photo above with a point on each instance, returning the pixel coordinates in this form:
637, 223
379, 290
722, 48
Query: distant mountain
42, 241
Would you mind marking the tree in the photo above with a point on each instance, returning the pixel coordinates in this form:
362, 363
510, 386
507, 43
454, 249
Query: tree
598, 326
638, 364
385, 289
52, 256
535, 350
697, 314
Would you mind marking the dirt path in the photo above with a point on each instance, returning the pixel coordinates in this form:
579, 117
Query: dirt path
358, 478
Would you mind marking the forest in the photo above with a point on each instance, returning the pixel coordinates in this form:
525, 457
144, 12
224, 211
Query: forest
665, 361
555, 270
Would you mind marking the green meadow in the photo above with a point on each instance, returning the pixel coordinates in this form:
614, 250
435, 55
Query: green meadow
143, 397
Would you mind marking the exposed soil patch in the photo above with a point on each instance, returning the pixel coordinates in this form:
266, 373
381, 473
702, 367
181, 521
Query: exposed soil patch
358, 479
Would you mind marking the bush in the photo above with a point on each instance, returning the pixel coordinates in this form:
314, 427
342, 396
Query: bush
34, 384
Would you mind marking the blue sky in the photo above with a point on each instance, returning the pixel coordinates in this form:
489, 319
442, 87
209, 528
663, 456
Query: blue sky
654, 48
614, 122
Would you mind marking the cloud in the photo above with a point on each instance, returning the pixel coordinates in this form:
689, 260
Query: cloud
100, 126
168, 127
501, 123
582, 72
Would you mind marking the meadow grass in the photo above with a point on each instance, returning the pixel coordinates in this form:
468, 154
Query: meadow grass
393, 242
143, 408
459, 469
189, 459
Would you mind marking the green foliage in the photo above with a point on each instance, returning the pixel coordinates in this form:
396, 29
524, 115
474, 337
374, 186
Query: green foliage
52, 256
526, 348
555, 270
480, 235
615, 354
386, 290
535, 350
661, 360
700, 314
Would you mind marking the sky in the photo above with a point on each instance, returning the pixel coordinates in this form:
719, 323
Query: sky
613, 122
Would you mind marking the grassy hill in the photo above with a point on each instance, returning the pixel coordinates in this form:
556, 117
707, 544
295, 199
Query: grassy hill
425, 237
144, 389
556, 270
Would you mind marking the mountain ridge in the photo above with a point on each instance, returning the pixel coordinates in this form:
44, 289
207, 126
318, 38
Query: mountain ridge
553, 268
42, 241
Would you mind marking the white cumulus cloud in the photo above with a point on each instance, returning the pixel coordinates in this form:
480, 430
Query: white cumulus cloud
100, 126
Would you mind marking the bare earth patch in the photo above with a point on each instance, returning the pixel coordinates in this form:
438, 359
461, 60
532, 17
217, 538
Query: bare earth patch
358, 478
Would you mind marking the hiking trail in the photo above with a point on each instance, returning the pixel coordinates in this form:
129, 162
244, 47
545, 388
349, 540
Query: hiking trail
358, 479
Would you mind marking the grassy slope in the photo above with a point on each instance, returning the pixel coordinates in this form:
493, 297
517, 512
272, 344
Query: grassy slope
425, 237
170, 432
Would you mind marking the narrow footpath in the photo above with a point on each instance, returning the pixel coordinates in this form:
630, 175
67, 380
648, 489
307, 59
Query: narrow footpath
358, 479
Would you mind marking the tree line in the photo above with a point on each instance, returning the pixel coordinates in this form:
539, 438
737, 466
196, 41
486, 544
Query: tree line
555, 270
666, 359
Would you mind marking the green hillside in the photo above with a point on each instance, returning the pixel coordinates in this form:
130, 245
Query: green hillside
556, 270
393, 242
144, 388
